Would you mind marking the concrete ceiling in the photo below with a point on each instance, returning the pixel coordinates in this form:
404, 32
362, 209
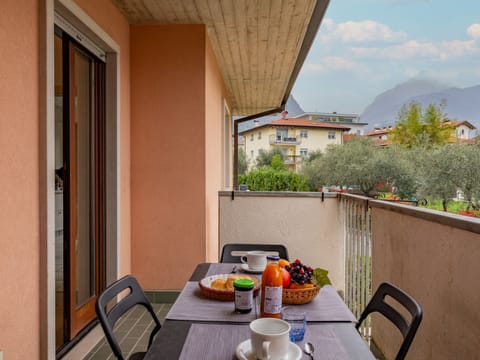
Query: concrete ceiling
260, 45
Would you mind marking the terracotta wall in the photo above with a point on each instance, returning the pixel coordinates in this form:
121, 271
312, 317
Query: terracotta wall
214, 151
19, 180
438, 265
168, 153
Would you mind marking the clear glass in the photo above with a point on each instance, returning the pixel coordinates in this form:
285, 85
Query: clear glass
85, 172
59, 211
298, 322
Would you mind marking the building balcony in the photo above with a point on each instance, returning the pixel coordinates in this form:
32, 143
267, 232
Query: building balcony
362, 242
287, 140
292, 159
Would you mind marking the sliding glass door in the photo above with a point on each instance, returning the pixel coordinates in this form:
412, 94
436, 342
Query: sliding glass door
80, 154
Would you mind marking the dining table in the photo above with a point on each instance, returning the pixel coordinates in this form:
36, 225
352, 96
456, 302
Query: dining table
197, 327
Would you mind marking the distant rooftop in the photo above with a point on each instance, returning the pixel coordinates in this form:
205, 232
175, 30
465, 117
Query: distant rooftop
299, 122
331, 117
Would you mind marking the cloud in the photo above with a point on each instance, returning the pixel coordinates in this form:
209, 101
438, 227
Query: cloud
414, 49
474, 31
329, 63
358, 31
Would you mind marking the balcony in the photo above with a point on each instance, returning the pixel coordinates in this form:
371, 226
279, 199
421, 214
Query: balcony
362, 242
287, 140
292, 159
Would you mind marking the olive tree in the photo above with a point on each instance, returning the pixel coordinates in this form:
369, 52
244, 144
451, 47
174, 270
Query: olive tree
265, 157
357, 162
448, 169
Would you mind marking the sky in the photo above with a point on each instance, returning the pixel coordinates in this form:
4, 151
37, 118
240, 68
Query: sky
365, 47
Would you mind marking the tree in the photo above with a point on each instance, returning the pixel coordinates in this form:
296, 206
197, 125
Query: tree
265, 157
357, 162
418, 128
437, 173
242, 161
274, 177
451, 168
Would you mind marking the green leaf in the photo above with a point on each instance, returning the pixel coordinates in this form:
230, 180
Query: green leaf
321, 277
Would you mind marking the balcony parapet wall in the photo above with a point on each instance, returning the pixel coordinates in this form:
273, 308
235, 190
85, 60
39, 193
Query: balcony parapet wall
311, 229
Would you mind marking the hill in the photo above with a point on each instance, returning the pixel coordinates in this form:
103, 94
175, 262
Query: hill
462, 104
291, 106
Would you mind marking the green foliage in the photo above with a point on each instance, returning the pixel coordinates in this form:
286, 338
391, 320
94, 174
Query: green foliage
446, 169
242, 161
265, 157
321, 277
277, 163
359, 162
312, 156
269, 179
418, 128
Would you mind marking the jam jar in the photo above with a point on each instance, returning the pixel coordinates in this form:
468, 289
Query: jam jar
243, 295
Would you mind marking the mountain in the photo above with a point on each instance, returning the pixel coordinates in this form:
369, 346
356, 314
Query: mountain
291, 106
462, 104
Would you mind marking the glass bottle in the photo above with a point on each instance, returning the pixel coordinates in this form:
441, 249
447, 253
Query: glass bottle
271, 299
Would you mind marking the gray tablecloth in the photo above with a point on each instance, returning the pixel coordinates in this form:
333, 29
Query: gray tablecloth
328, 306
191, 305
219, 342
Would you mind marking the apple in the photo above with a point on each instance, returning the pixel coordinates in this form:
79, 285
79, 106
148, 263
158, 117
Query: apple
286, 278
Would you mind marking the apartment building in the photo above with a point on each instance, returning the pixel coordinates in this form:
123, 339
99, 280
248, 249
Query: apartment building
295, 137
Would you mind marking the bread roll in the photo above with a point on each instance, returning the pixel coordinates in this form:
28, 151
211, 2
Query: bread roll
218, 284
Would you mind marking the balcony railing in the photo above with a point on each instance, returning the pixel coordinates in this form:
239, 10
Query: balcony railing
287, 140
358, 256
292, 159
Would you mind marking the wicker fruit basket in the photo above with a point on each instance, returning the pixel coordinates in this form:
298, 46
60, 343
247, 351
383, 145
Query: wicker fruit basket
223, 295
299, 296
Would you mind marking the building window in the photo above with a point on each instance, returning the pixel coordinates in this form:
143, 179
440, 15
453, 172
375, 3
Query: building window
251, 154
251, 137
304, 133
331, 135
259, 135
303, 152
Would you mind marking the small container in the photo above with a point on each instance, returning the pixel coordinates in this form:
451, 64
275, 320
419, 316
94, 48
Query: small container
243, 295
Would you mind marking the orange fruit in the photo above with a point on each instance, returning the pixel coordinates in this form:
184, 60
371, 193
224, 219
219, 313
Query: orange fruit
282, 263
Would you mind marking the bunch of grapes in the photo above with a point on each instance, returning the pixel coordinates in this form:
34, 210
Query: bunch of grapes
299, 272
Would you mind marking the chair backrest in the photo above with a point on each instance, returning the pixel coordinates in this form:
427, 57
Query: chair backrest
108, 318
228, 257
407, 328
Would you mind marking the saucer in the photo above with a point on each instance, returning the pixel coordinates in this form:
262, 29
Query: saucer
247, 269
244, 351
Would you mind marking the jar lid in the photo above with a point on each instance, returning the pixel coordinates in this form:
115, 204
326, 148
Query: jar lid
244, 283
273, 257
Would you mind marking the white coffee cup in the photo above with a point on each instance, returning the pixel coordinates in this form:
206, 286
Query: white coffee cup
255, 260
269, 338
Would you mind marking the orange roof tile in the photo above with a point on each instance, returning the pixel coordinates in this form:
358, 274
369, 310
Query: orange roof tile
300, 122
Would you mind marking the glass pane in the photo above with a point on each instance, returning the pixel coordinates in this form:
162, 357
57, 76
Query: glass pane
85, 191
59, 178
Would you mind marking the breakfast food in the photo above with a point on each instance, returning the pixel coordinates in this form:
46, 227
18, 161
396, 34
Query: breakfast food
226, 284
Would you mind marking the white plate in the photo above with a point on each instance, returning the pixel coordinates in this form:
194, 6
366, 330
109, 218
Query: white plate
244, 351
247, 269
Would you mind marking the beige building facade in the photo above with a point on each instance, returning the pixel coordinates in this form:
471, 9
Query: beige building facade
295, 137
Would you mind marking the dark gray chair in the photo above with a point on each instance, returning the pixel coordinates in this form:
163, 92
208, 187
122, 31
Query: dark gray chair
108, 318
407, 328
227, 257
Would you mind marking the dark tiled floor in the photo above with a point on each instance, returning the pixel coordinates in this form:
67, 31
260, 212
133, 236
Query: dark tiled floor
132, 332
